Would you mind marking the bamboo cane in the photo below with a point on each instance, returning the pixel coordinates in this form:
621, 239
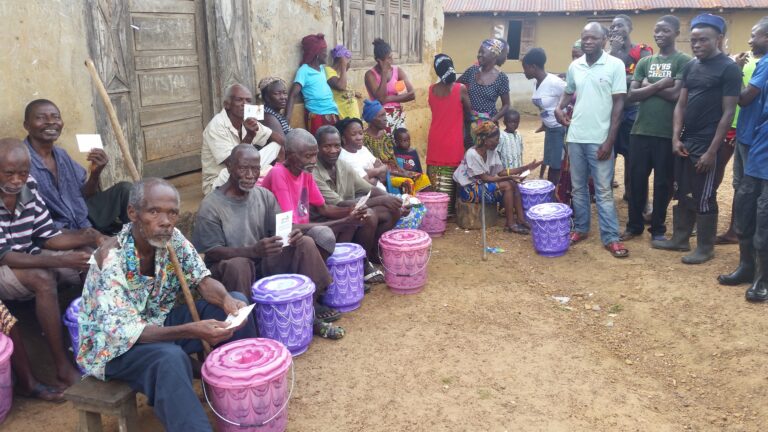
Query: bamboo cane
120, 136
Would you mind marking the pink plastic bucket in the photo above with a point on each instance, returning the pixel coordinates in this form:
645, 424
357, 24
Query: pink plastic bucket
405, 254
437, 212
246, 385
6, 385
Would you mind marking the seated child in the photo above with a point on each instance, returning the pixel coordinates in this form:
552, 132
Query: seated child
510, 147
408, 158
481, 171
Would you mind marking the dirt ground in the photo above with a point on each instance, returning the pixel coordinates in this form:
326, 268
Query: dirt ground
644, 344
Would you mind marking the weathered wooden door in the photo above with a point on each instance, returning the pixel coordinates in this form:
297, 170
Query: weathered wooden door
172, 94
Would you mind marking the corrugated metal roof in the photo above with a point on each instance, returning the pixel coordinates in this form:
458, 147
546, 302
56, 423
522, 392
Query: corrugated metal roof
548, 6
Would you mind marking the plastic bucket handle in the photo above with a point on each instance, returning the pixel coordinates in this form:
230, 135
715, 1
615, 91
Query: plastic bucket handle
265, 422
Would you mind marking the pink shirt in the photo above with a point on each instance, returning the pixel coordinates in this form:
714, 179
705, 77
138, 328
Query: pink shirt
294, 193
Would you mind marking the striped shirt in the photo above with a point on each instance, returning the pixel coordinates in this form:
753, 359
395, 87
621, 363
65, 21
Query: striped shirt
28, 226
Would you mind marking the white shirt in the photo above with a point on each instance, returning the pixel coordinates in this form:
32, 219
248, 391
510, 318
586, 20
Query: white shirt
219, 138
546, 97
360, 161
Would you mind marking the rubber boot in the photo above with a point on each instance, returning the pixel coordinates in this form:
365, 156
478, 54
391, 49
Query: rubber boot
682, 226
705, 241
758, 292
745, 272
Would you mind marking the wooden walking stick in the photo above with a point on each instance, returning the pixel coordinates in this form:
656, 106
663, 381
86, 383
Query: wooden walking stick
482, 221
120, 136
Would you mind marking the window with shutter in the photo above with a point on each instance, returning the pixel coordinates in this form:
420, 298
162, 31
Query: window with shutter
396, 21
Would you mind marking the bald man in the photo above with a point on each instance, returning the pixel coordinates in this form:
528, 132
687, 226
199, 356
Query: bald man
228, 129
35, 257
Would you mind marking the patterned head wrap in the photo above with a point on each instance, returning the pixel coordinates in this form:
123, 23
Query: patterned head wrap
370, 109
444, 69
340, 51
494, 45
483, 130
264, 83
312, 45
577, 44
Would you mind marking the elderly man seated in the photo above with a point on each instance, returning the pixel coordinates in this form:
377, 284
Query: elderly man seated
235, 228
32, 259
72, 196
228, 129
341, 186
132, 326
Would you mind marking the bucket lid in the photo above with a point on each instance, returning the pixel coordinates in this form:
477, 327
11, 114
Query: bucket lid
246, 363
6, 347
281, 288
73, 309
534, 186
549, 211
433, 197
345, 253
405, 238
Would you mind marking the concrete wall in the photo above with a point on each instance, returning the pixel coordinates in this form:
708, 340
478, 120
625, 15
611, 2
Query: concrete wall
556, 34
279, 26
42, 50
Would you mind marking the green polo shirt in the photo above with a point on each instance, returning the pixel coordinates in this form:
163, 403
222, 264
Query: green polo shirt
594, 87
347, 187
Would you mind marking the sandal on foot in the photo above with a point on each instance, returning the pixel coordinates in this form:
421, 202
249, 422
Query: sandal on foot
617, 249
517, 229
372, 274
628, 235
327, 331
45, 393
325, 314
577, 237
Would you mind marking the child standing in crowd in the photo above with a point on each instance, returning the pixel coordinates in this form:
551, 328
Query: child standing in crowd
407, 158
510, 147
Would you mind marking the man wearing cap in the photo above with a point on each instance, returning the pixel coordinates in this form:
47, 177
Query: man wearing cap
702, 116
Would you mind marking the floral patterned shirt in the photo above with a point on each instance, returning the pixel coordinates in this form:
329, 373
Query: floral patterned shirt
118, 301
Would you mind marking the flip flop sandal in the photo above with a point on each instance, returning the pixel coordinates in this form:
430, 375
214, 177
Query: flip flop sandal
374, 277
327, 331
628, 235
45, 393
577, 237
517, 229
617, 249
326, 314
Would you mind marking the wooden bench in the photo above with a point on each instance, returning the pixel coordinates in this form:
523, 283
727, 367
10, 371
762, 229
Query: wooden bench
92, 398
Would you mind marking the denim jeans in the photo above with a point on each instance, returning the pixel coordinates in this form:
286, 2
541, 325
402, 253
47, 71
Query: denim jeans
583, 159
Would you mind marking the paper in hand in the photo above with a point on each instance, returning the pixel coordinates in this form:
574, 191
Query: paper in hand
284, 226
88, 142
234, 320
253, 111
525, 173
361, 202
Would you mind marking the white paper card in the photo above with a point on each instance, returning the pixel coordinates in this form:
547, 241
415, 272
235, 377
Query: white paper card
284, 226
361, 202
239, 317
525, 173
88, 142
253, 111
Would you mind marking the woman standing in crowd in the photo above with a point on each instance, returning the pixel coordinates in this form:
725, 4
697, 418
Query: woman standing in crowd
310, 80
449, 103
485, 85
274, 94
338, 79
389, 85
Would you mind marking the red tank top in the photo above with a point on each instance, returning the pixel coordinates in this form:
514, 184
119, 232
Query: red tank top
445, 144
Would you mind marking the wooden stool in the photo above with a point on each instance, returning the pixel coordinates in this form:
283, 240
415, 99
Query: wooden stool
468, 215
92, 398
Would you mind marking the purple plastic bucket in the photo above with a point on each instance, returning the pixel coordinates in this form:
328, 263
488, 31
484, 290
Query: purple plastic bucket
246, 383
533, 192
550, 228
346, 267
284, 310
70, 321
6, 385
